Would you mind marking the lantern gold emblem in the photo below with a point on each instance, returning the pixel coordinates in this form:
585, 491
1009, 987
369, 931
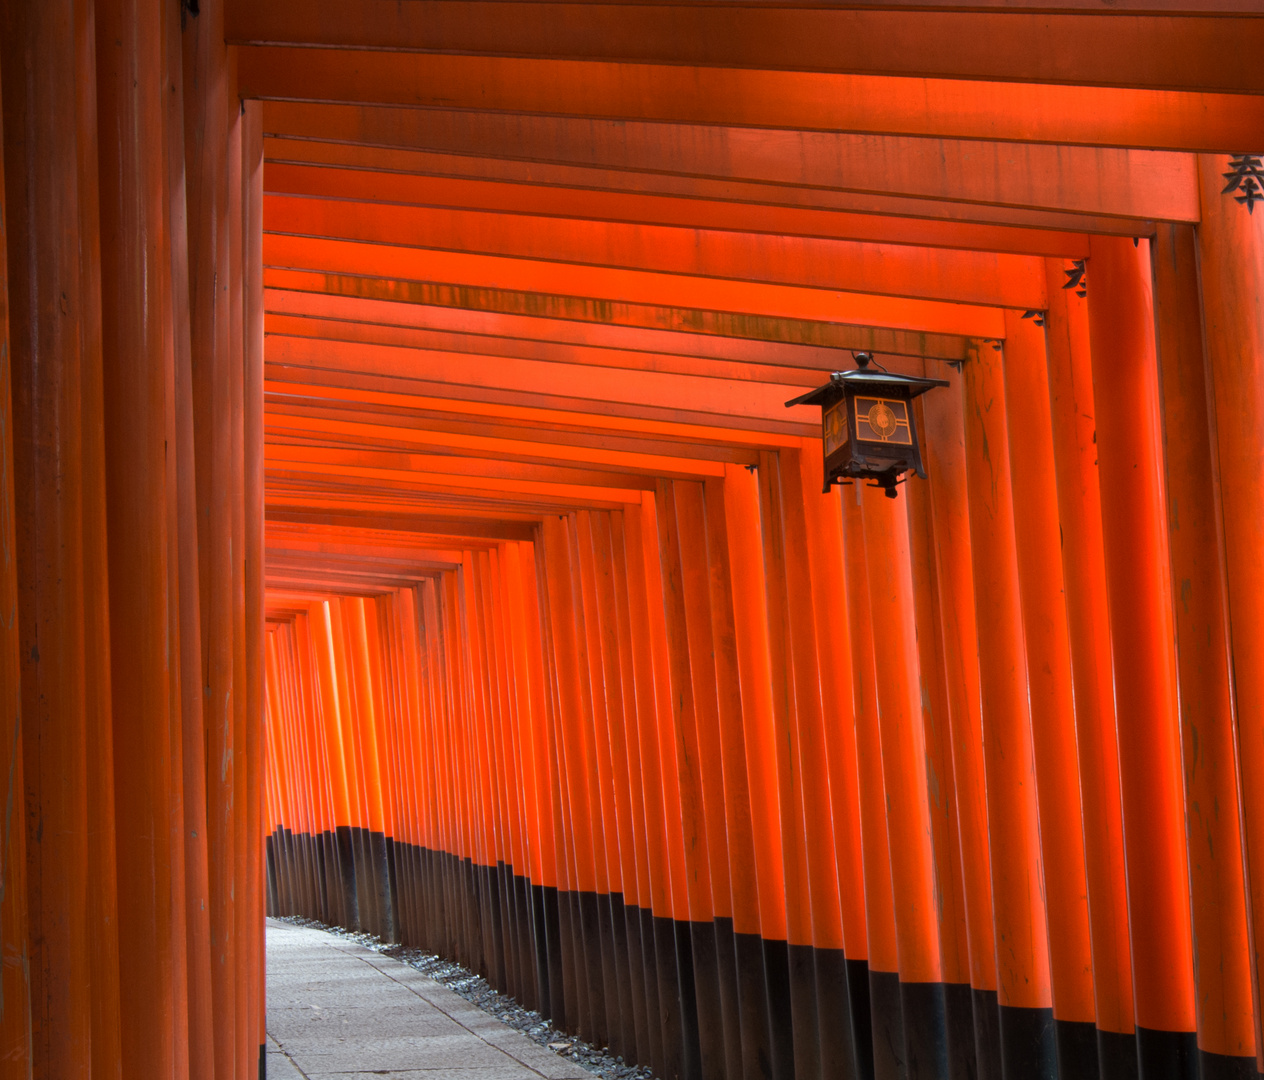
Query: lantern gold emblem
882, 420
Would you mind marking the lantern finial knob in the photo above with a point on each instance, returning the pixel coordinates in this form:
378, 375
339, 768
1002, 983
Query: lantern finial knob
862, 359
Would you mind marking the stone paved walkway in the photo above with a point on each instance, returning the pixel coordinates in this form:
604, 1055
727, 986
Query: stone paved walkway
336, 1009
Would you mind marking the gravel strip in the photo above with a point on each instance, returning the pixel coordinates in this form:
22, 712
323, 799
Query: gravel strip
476, 990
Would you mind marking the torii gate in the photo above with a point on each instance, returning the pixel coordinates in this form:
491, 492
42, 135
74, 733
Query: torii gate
403, 526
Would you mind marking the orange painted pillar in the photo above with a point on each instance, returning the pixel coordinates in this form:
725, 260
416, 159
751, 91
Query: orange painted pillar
563, 988
704, 577
778, 845
408, 613
208, 104
1022, 949
544, 872
839, 973
367, 718
741, 958
660, 963
600, 699
326, 690
386, 780
802, 756
941, 783
1074, 426
37, 49
741, 507
135, 292
695, 937
15, 982
1039, 543
945, 449
626, 750
886, 1034
1226, 1027
1231, 263
583, 877
102, 849
620, 714
521, 805
244, 1053
497, 828
252, 374
679, 1038
351, 846
1134, 527
909, 838
201, 1052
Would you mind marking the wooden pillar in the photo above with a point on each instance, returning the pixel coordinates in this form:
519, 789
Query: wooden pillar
945, 450
136, 341
954, 948
1022, 950
1039, 545
1074, 426
885, 1037
187, 628
15, 980
696, 938
746, 566
743, 944
45, 308
243, 1053
1222, 970
209, 101
797, 697
252, 327
661, 840
713, 665
783, 896
103, 911
601, 692
1231, 262
600, 591
1134, 527
904, 776
626, 754
567, 658
842, 988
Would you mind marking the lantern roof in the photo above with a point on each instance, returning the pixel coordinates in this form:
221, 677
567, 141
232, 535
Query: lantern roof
864, 379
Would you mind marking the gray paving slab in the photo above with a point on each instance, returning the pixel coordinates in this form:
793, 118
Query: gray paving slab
339, 1010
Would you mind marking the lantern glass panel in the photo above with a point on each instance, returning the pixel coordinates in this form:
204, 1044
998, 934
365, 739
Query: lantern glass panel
883, 420
834, 426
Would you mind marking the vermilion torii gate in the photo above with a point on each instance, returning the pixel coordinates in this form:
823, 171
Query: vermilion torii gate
478, 317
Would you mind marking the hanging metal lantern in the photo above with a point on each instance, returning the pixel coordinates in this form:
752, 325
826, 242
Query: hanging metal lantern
867, 425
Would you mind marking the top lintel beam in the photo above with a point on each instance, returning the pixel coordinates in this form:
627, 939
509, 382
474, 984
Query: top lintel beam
776, 100
1179, 50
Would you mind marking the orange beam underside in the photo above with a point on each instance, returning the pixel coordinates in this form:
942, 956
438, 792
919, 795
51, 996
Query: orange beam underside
804, 101
726, 162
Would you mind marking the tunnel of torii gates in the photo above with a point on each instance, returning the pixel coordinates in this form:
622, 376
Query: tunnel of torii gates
403, 527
